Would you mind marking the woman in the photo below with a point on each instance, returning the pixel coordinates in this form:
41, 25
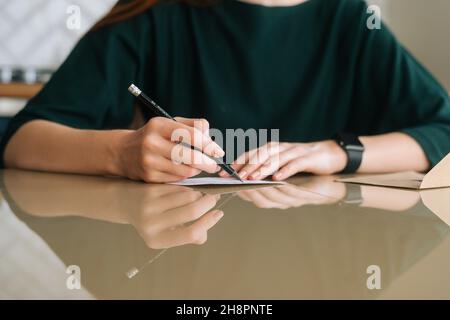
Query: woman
312, 68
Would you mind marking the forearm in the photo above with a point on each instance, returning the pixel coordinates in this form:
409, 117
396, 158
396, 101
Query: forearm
392, 152
60, 195
47, 146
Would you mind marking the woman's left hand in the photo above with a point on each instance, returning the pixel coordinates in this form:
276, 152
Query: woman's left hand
282, 160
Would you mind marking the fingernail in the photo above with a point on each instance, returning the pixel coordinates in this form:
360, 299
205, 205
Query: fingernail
219, 153
218, 214
255, 175
277, 176
242, 174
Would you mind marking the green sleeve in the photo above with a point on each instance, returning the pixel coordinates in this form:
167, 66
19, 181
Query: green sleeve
89, 90
395, 90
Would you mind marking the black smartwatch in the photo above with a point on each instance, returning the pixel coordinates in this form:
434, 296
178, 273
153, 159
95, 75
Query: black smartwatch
354, 150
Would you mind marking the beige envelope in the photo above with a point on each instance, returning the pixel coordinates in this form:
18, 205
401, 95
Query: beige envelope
438, 177
437, 200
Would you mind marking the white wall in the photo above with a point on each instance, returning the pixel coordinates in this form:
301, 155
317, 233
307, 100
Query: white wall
33, 33
423, 26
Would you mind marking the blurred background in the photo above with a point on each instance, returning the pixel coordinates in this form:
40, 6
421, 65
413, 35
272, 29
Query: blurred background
35, 39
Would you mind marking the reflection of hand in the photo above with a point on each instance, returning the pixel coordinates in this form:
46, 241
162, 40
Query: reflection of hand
171, 216
283, 197
302, 191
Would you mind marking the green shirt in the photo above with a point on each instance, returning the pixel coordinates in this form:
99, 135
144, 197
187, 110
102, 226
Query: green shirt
311, 70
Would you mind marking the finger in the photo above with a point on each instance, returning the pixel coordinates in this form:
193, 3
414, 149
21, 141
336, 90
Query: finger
256, 160
300, 164
292, 190
288, 152
243, 195
188, 213
201, 124
261, 201
208, 220
275, 195
194, 234
178, 154
182, 154
250, 161
173, 200
307, 197
269, 160
157, 162
274, 162
179, 132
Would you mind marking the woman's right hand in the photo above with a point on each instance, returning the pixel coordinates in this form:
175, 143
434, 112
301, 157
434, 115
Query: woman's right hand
147, 154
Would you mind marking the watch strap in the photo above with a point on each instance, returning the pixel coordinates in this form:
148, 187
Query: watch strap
354, 150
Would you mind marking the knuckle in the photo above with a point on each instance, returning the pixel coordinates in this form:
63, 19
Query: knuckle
149, 142
147, 162
153, 123
203, 123
193, 235
192, 196
149, 231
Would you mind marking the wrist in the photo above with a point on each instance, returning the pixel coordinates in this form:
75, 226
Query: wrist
339, 158
115, 149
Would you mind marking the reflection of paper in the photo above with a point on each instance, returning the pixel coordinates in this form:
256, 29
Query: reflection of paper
438, 177
409, 180
221, 181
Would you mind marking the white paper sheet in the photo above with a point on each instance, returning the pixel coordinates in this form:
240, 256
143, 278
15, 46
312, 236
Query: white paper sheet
221, 181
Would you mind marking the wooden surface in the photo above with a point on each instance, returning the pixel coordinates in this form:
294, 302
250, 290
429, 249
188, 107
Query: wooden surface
19, 90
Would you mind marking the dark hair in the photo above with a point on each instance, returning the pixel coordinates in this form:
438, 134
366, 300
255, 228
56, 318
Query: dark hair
125, 9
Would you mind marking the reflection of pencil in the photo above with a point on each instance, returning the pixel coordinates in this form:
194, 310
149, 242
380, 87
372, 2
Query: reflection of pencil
134, 271
149, 103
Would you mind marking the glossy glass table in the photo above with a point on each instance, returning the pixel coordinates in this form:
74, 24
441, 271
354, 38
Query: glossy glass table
311, 239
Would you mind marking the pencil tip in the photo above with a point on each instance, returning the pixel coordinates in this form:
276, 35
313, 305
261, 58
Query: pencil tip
237, 177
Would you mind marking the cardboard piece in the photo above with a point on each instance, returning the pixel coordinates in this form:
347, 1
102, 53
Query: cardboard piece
438, 201
438, 177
